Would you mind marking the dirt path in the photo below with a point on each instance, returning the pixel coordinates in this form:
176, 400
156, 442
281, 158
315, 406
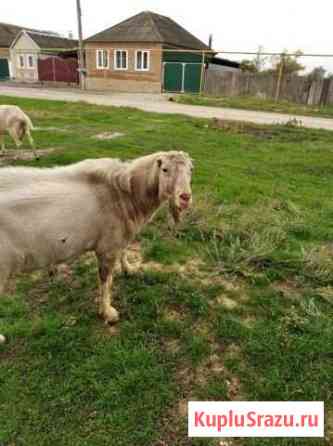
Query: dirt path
160, 104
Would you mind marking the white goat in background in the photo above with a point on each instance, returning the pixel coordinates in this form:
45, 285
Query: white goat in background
14, 121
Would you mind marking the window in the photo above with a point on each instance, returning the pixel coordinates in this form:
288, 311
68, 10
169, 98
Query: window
31, 63
142, 60
21, 61
120, 60
102, 59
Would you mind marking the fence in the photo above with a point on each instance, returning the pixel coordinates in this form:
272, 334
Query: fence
299, 89
135, 70
57, 69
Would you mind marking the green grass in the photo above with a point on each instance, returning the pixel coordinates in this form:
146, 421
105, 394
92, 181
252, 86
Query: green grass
254, 103
237, 304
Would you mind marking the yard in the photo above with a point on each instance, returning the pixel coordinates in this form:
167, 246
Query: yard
259, 104
237, 304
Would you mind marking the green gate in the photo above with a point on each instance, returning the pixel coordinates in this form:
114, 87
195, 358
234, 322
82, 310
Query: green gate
192, 77
182, 77
173, 76
4, 69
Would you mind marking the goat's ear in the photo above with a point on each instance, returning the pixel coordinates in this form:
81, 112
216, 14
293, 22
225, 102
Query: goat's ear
159, 162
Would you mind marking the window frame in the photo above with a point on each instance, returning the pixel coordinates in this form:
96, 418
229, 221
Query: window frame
117, 50
104, 52
28, 66
136, 60
21, 66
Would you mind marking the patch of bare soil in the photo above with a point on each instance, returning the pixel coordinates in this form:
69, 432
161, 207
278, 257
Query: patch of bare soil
22, 155
51, 129
226, 302
288, 289
242, 127
108, 135
259, 131
172, 346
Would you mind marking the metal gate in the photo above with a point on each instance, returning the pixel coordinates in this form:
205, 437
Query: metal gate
57, 69
182, 77
4, 69
192, 77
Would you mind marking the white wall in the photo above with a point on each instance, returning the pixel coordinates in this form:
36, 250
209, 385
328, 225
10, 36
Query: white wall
24, 46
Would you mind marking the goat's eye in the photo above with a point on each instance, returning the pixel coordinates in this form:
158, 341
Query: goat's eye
165, 170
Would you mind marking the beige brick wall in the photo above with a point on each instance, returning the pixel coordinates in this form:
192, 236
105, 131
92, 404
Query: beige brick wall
124, 80
123, 85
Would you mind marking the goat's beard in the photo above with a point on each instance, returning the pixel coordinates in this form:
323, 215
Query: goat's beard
175, 212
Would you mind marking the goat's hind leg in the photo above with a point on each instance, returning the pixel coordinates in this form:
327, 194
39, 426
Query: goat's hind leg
106, 265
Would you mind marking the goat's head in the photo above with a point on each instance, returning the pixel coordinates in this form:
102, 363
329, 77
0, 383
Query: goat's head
175, 175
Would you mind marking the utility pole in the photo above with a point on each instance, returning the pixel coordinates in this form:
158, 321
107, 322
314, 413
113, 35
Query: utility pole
81, 51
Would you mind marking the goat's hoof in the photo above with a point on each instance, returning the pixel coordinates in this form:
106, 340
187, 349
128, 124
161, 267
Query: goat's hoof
111, 316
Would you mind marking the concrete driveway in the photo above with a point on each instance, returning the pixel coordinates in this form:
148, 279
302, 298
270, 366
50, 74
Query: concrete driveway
160, 104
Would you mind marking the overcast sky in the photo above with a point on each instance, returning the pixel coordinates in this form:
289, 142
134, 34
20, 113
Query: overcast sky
237, 25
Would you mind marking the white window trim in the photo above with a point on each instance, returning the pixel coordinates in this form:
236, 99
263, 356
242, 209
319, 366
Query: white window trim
115, 60
102, 50
21, 67
136, 60
27, 61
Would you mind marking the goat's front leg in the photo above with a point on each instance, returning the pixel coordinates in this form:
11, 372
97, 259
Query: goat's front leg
32, 144
106, 265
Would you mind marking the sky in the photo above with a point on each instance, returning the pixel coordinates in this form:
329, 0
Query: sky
236, 25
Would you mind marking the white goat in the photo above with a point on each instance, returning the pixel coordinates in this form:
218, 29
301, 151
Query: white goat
48, 216
14, 121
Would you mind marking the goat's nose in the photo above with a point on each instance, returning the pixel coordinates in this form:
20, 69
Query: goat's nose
185, 197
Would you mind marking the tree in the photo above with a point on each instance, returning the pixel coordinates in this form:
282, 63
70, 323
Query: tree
257, 64
290, 64
317, 74
260, 60
248, 66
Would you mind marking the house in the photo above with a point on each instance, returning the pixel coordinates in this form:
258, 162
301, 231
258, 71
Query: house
145, 53
43, 56
7, 36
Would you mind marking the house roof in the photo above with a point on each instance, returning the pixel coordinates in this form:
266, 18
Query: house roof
150, 27
44, 39
225, 62
49, 41
8, 33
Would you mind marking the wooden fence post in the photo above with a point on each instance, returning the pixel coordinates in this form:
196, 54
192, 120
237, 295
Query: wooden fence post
279, 80
202, 72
